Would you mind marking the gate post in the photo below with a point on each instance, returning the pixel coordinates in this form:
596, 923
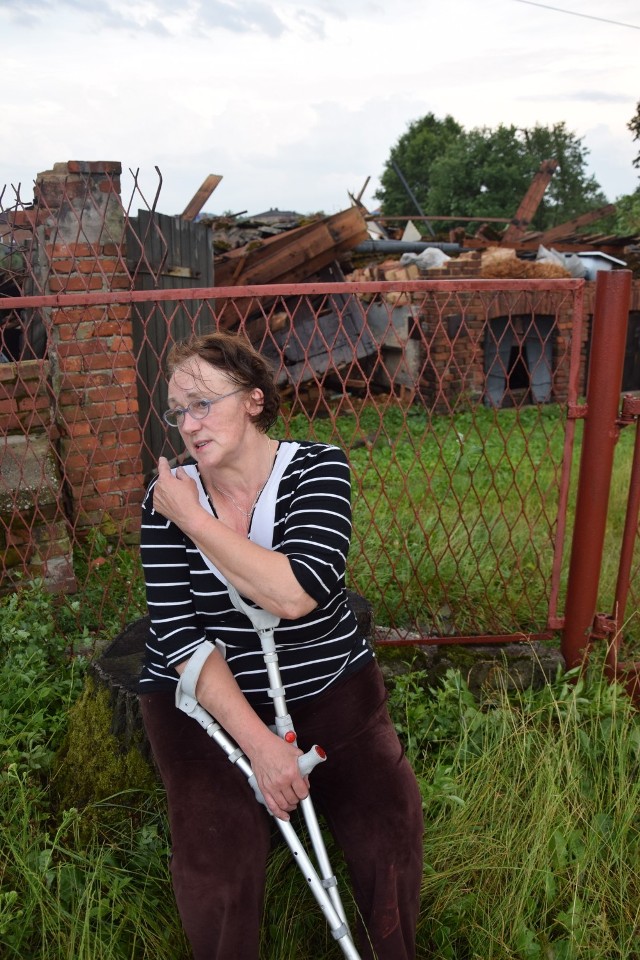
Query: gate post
608, 343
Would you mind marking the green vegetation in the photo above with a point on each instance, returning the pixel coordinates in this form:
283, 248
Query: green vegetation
532, 799
484, 172
532, 805
83, 880
532, 811
455, 517
455, 523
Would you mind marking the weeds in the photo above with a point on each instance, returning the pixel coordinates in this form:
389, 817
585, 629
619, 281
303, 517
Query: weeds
531, 802
533, 812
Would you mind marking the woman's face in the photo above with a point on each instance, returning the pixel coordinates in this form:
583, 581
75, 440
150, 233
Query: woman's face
218, 436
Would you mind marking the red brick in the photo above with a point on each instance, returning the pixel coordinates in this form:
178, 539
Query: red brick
131, 436
119, 311
111, 167
97, 265
99, 411
120, 283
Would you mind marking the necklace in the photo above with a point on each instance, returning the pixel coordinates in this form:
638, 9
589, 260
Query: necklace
246, 513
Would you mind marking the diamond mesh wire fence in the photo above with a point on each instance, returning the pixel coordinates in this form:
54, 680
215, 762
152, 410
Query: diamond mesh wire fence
458, 402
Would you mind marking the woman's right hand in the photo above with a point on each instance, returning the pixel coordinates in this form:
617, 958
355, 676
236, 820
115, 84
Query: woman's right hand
275, 765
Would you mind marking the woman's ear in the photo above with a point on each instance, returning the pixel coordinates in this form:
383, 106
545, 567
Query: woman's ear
256, 398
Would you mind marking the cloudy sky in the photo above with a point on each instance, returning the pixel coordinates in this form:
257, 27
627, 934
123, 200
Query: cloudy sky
297, 102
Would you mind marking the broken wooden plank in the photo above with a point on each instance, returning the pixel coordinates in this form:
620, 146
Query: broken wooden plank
201, 196
530, 202
565, 230
293, 256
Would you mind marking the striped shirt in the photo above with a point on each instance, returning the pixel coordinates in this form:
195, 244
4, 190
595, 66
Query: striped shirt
188, 601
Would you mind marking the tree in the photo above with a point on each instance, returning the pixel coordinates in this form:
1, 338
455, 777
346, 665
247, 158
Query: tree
485, 172
634, 126
627, 216
413, 155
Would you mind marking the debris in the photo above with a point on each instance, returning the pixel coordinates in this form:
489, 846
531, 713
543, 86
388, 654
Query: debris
293, 256
499, 263
199, 199
530, 202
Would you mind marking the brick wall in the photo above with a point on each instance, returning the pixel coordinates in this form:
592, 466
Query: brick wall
34, 536
454, 368
81, 239
81, 397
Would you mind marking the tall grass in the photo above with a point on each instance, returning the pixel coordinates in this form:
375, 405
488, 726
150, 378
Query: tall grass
79, 884
532, 801
532, 814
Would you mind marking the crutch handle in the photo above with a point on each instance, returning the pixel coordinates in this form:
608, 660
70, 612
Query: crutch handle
311, 759
306, 763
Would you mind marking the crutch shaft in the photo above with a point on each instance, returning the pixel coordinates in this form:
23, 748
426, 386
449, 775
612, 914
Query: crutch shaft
284, 727
323, 895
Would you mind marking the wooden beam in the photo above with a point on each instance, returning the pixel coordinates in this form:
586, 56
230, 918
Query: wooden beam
570, 226
199, 198
293, 255
290, 257
530, 202
359, 197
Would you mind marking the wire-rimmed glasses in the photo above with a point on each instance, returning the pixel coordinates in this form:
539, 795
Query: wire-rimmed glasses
198, 409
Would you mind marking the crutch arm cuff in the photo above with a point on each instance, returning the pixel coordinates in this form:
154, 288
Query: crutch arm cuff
186, 699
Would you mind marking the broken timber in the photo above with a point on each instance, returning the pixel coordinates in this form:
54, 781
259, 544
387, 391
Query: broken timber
201, 196
292, 256
530, 202
567, 229
307, 253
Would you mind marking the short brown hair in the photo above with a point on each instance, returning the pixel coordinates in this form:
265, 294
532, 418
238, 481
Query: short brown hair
239, 361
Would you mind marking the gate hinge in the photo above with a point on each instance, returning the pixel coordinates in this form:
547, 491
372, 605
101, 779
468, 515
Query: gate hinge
577, 411
604, 625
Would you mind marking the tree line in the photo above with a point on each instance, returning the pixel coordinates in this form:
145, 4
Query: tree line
439, 169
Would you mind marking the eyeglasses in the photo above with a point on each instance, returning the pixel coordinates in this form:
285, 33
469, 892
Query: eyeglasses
198, 409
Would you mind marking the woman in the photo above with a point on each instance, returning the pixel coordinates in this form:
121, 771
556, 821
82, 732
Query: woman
272, 519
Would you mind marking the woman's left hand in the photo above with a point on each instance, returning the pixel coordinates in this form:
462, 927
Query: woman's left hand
275, 766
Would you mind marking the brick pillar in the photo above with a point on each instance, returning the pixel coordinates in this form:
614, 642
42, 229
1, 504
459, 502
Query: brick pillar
81, 243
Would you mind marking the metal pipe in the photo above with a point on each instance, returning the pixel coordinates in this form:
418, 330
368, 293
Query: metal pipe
411, 195
608, 341
404, 246
629, 538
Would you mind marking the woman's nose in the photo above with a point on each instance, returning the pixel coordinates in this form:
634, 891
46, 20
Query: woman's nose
190, 424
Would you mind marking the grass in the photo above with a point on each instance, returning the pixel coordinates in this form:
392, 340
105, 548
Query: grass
455, 517
532, 812
455, 523
532, 799
533, 833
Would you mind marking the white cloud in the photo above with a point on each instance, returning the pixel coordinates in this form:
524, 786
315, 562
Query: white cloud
296, 102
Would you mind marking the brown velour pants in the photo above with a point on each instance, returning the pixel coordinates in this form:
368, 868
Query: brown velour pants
221, 835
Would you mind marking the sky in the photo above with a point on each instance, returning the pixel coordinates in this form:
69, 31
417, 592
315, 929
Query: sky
297, 103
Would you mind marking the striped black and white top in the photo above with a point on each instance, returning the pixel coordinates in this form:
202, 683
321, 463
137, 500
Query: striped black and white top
305, 512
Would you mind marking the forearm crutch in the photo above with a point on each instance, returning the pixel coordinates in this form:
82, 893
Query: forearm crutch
323, 885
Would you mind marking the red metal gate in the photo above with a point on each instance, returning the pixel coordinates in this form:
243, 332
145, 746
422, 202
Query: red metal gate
460, 404
604, 416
